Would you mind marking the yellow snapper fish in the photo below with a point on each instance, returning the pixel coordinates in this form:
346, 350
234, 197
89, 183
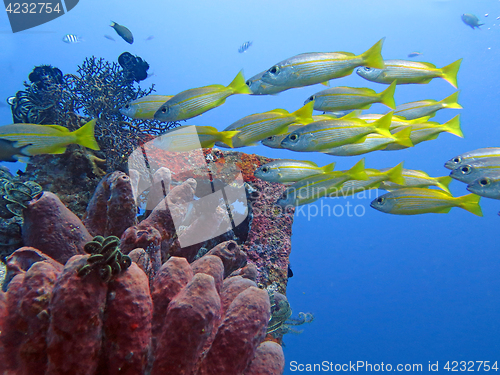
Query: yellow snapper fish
372, 142
414, 201
193, 102
470, 156
375, 178
287, 170
476, 169
326, 134
312, 188
259, 87
405, 71
344, 98
488, 186
427, 131
319, 67
189, 137
254, 128
145, 107
48, 139
417, 179
421, 108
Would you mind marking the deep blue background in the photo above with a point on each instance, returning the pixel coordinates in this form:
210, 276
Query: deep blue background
383, 288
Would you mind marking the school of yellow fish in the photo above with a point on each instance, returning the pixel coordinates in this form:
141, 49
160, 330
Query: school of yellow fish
341, 131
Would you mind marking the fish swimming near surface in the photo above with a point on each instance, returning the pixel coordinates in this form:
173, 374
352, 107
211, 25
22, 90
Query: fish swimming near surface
244, 47
415, 201
417, 179
256, 127
72, 39
471, 20
476, 169
145, 107
344, 98
9, 152
288, 170
189, 137
414, 54
471, 156
48, 139
326, 134
428, 107
487, 186
320, 67
124, 32
193, 102
309, 189
405, 72
109, 37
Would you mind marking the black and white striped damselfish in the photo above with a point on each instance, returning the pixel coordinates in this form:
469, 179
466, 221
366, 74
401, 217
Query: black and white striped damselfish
244, 47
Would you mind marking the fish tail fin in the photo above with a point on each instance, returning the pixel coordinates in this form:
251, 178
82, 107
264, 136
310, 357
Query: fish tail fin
402, 137
449, 72
443, 183
373, 57
383, 124
387, 96
357, 172
451, 101
453, 126
85, 135
395, 175
112, 24
328, 168
227, 137
304, 114
470, 202
238, 84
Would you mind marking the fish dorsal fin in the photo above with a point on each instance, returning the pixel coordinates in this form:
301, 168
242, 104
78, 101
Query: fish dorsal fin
59, 127
346, 53
279, 110
311, 163
353, 114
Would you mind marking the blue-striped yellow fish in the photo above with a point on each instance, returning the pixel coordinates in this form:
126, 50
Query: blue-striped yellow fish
375, 178
476, 169
405, 71
193, 102
470, 156
145, 107
48, 139
190, 137
487, 186
287, 170
312, 188
421, 108
254, 128
417, 179
344, 98
326, 134
414, 201
319, 67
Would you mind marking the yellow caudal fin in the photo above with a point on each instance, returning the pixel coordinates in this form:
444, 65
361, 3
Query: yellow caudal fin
443, 183
328, 168
402, 137
383, 124
394, 174
357, 172
373, 58
470, 202
449, 72
238, 85
451, 101
387, 96
453, 126
227, 137
85, 136
303, 115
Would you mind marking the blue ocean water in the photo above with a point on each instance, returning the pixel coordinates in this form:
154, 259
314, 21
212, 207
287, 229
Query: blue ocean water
382, 288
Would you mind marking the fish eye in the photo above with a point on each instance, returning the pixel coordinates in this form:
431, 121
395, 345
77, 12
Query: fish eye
311, 98
465, 169
380, 200
458, 159
248, 83
265, 169
483, 182
163, 109
270, 138
274, 70
294, 137
367, 68
127, 106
